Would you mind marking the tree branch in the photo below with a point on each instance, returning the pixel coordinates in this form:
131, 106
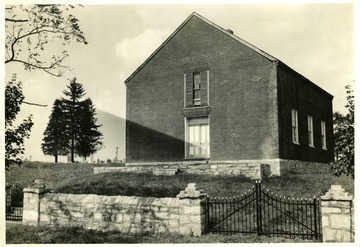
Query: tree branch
14, 20
45, 69
44, 23
33, 32
29, 103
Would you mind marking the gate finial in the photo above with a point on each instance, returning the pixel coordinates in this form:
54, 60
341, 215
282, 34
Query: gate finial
38, 183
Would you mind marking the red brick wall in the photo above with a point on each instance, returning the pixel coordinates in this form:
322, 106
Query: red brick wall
243, 120
296, 92
242, 99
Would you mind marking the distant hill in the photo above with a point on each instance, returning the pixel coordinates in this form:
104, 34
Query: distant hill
113, 129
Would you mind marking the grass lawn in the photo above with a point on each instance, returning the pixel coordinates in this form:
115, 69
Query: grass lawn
53, 174
20, 234
305, 186
79, 179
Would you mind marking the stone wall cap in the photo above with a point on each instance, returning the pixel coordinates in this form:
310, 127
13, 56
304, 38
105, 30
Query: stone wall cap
38, 183
336, 192
34, 190
192, 192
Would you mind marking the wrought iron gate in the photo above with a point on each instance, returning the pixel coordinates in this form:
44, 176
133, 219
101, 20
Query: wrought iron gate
260, 211
14, 202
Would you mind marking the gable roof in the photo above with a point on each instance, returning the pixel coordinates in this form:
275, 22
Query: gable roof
213, 25
254, 48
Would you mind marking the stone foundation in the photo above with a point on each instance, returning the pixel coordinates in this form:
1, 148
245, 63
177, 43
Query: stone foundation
165, 171
303, 167
253, 169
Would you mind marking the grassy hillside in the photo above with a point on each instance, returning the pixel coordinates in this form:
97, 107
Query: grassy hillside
53, 174
113, 129
79, 178
298, 186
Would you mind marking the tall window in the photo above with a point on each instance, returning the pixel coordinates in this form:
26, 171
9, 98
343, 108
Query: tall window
197, 138
310, 131
196, 88
295, 126
323, 135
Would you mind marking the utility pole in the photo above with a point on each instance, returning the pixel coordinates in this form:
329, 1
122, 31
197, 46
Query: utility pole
116, 156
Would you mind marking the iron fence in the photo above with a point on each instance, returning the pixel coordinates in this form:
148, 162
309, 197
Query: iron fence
265, 213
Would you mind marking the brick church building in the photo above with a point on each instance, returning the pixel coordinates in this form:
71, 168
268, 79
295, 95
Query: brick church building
206, 96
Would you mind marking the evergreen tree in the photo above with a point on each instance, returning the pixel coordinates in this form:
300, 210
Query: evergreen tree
72, 127
88, 137
56, 141
75, 92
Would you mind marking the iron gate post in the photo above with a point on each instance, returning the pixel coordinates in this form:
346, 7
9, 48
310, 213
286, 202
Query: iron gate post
207, 214
315, 220
258, 208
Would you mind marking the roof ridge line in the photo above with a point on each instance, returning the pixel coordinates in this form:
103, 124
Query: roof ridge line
256, 49
251, 46
160, 47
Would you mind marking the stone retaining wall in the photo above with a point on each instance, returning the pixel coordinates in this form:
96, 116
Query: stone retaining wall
184, 214
128, 214
253, 169
123, 213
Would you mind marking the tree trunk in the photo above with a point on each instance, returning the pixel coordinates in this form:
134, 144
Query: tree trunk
72, 149
56, 158
73, 130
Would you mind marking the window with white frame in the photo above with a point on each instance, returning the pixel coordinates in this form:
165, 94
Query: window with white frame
323, 135
197, 137
310, 131
295, 126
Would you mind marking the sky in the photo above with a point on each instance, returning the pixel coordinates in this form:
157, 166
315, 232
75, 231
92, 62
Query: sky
316, 40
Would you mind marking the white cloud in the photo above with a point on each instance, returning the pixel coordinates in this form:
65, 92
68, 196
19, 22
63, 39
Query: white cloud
132, 52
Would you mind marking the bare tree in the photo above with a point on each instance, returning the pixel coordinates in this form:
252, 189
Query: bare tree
32, 31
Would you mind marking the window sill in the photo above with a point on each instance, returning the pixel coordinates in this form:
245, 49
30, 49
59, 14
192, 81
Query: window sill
196, 111
196, 158
195, 106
